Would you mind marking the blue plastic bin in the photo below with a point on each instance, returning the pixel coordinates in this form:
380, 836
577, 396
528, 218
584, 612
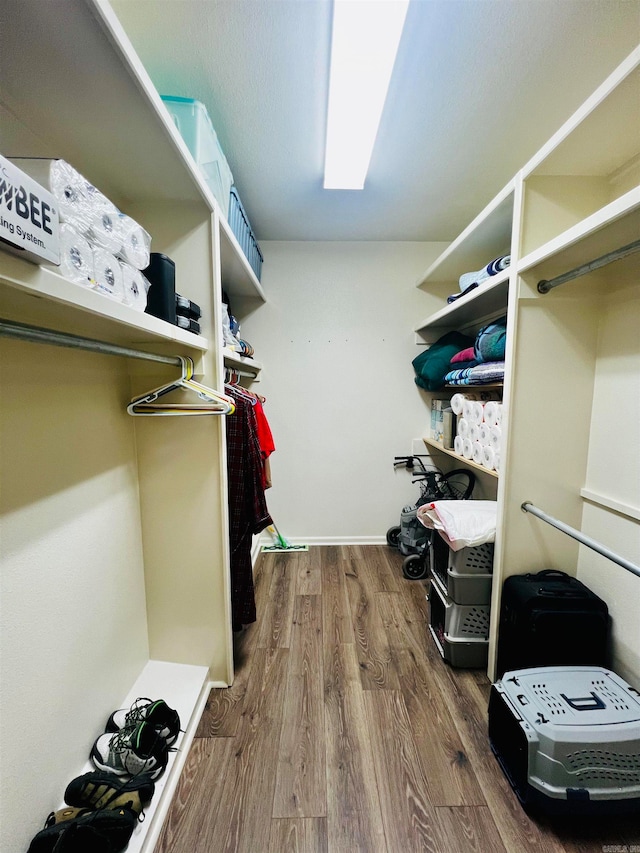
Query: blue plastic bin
239, 224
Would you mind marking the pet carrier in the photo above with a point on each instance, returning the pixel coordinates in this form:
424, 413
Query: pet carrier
412, 539
568, 739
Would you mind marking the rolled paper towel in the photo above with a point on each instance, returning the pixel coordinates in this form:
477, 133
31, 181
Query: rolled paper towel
484, 434
457, 401
467, 448
495, 434
76, 256
491, 413
496, 462
136, 287
107, 275
463, 427
104, 230
477, 453
474, 432
488, 457
473, 411
67, 186
136, 243
457, 445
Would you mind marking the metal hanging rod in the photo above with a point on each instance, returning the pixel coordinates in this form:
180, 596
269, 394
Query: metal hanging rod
38, 335
244, 373
546, 285
585, 540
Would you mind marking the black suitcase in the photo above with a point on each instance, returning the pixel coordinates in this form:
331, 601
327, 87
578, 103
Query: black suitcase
551, 619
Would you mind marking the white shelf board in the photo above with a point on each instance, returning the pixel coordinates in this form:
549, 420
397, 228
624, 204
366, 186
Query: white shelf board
602, 135
484, 239
607, 502
40, 296
234, 359
609, 228
238, 279
489, 298
468, 462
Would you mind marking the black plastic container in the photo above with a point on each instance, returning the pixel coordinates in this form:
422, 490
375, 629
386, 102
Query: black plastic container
161, 298
186, 308
551, 619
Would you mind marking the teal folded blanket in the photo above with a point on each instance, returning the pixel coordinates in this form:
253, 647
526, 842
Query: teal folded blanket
432, 365
490, 342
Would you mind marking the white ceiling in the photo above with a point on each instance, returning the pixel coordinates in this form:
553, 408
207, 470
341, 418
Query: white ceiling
478, 87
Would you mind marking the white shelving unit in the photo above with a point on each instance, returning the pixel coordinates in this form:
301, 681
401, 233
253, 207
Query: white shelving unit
573, 355
115, 563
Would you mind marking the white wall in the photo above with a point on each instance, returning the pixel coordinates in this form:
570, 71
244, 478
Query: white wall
336, 342
73, 627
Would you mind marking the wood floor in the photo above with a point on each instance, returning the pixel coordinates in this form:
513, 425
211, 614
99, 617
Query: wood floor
345, 731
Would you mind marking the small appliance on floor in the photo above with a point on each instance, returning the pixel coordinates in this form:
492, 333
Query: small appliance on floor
568, 739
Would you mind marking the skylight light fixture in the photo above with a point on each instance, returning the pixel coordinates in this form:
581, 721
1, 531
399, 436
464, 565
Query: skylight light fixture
365, 39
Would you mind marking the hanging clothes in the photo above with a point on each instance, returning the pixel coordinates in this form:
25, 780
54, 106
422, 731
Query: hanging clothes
248, 513
265, 439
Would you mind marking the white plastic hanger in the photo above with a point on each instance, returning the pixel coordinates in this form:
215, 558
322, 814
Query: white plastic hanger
214, 402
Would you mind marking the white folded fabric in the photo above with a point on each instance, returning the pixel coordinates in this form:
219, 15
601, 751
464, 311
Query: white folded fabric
463, 524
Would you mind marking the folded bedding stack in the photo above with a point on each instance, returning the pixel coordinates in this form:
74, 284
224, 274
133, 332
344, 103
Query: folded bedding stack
100, 247
470, 280
484, 362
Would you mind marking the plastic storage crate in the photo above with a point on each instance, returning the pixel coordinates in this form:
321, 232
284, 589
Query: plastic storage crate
568, 739
460, 631
464, 575
192, 120
239, 224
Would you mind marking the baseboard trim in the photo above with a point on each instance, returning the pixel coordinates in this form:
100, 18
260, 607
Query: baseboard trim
328, 540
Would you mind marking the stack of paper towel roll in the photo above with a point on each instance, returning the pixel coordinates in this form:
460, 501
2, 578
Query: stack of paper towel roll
479, 427
100, 247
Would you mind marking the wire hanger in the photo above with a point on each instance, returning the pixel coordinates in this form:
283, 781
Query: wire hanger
214, 402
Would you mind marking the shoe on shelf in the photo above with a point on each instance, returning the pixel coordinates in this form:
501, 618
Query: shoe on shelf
85, 831
132, 751
100, 790
157, 712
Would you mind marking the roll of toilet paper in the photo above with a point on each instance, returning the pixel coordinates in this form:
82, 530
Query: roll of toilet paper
499, 414
457, 401
477, 453
107, 275
467, 448
472, 411
135, 287
463, 428
474, 432
105, 231
491, 413
136, 243
457, 445
496, 462
495, 435
488, 457
484, 434
76, 256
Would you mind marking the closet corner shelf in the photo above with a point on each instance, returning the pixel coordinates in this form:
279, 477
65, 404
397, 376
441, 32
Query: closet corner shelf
605, 230
488, 234
468, 462
238, 279
41, 296
486, 301
234, 359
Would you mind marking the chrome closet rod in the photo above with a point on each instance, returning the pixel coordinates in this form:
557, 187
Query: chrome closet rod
527, 506
244, 373
546, 285
35, 334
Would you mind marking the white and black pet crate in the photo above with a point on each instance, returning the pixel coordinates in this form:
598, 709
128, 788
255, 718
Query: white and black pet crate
568, 739
460, 631
465, 575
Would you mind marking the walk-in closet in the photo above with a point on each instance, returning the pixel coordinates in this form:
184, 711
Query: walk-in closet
137, 533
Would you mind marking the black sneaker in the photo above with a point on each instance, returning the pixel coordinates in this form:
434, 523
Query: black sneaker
132, 752
165, 720
82, 830
99, 790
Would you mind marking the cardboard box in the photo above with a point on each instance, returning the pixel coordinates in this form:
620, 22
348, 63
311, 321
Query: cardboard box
29, 225
437, 419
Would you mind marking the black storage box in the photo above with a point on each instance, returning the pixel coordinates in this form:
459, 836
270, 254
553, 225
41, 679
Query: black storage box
551, 619
161, 298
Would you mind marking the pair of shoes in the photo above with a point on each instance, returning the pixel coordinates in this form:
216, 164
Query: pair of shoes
98, 790
137, 740
79, 830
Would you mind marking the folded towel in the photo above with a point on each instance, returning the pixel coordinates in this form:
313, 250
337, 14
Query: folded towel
490, 341
492, 268
480, 374
467, 354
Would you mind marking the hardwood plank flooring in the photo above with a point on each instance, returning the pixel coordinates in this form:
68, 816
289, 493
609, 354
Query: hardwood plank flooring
344, 731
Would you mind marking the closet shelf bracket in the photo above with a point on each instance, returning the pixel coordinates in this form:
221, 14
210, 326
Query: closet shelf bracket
545, 285
584, 540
